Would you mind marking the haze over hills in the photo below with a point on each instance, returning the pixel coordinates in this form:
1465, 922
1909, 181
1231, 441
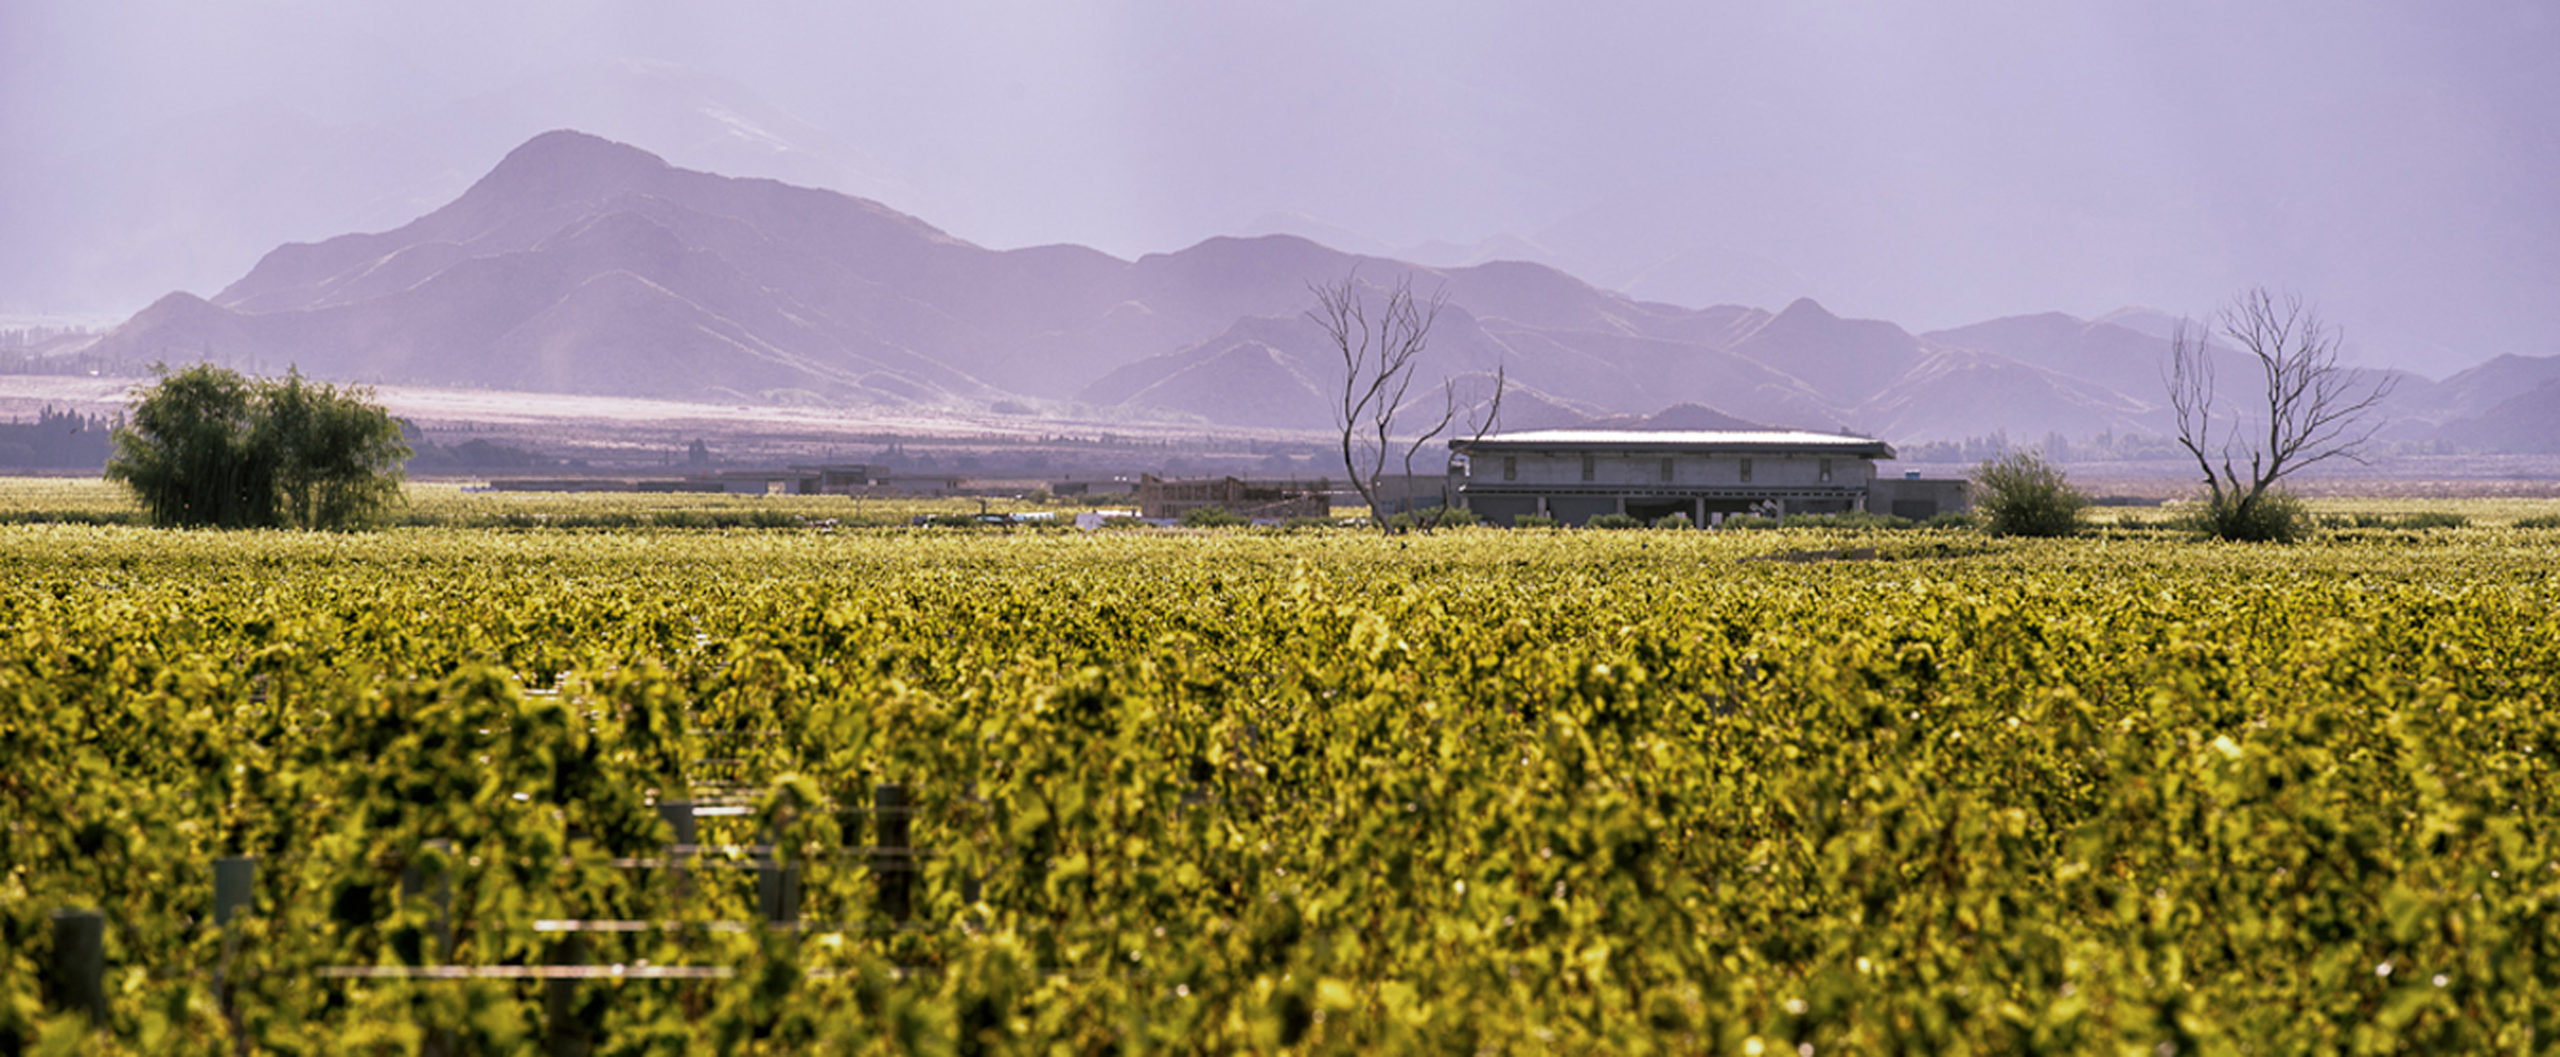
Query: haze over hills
581, 265
126, 218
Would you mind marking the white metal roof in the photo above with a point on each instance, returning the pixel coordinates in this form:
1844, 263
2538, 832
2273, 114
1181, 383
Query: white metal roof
1730, 439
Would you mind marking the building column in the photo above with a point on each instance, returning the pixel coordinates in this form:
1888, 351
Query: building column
1698, 512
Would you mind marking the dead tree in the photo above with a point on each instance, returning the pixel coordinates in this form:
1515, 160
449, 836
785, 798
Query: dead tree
1379, 351
2315, 410
1481, 420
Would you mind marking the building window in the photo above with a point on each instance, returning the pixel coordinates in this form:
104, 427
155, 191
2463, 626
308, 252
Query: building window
1666, 471
1746, 471
1826, 471
1590, 467
1510, 467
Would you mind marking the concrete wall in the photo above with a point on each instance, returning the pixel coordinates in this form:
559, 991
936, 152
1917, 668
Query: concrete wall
1918, 499
1644, 469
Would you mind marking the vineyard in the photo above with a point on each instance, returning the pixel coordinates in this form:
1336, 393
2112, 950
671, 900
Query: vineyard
464, 790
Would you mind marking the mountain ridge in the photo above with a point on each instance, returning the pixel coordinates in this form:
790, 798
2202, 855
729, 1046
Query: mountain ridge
583, 265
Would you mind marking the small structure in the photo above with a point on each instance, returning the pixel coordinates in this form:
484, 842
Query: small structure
835, 478
1916, 497
1111, 486
1272, 500
1576, 475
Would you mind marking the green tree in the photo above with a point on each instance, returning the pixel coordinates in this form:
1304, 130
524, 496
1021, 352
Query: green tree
2020, 494
336, 456
206, 446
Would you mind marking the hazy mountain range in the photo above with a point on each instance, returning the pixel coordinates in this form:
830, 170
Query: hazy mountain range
582, 265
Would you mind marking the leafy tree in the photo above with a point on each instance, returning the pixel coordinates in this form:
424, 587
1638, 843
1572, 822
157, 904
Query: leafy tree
2020, 494
336, 457
206, 446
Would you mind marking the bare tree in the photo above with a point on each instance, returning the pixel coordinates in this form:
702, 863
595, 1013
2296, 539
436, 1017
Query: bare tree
2315, 410
1481, 419
1379, 352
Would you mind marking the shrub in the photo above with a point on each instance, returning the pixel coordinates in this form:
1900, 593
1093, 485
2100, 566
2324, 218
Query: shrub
1431, 518
2020, 494
1533, 521
1212, 517
1613, 521
2421, 521
2539, 521
1854, 519
1673, 520
1953, 519
2274, 517
1750, 521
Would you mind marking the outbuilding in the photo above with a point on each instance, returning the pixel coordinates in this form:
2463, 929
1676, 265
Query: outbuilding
1574, 475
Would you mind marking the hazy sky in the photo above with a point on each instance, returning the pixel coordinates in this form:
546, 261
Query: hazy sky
1929, 163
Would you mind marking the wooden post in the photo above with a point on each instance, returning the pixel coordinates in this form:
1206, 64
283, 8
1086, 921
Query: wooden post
79, 969
564, 1035
235, 886
415, 882
777, 885
892, 860
678, 815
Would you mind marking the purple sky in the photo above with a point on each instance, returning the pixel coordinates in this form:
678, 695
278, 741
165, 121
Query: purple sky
1933, 164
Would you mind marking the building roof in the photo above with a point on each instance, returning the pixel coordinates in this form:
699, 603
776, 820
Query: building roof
1734, 440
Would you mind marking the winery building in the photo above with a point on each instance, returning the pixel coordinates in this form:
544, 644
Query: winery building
1576, 475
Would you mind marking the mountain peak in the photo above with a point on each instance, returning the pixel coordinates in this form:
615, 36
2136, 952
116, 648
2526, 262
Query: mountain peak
567, 164
567, 152
1806, 308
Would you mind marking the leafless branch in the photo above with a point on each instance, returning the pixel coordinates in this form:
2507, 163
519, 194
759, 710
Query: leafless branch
1378, 359
2316, 409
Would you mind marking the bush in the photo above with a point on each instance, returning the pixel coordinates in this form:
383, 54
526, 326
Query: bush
208, 447
1213, 517
1673, 520
1854, 519
1613, 521
1433, 517
2274, 517
1533, 521
2419, 522
1750, 521
2020, 494
1953, 519
2539, 521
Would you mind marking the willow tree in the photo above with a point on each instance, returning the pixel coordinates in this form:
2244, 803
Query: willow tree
205, 446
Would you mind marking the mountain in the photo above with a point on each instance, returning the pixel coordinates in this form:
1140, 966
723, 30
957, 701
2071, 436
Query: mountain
1683, 417
2484, 387
582, 265
2126, 359
2528, 421
191, 201
1953, 393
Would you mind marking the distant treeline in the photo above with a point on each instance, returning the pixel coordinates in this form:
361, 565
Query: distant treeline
475, 456
2104, 447
56, 440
